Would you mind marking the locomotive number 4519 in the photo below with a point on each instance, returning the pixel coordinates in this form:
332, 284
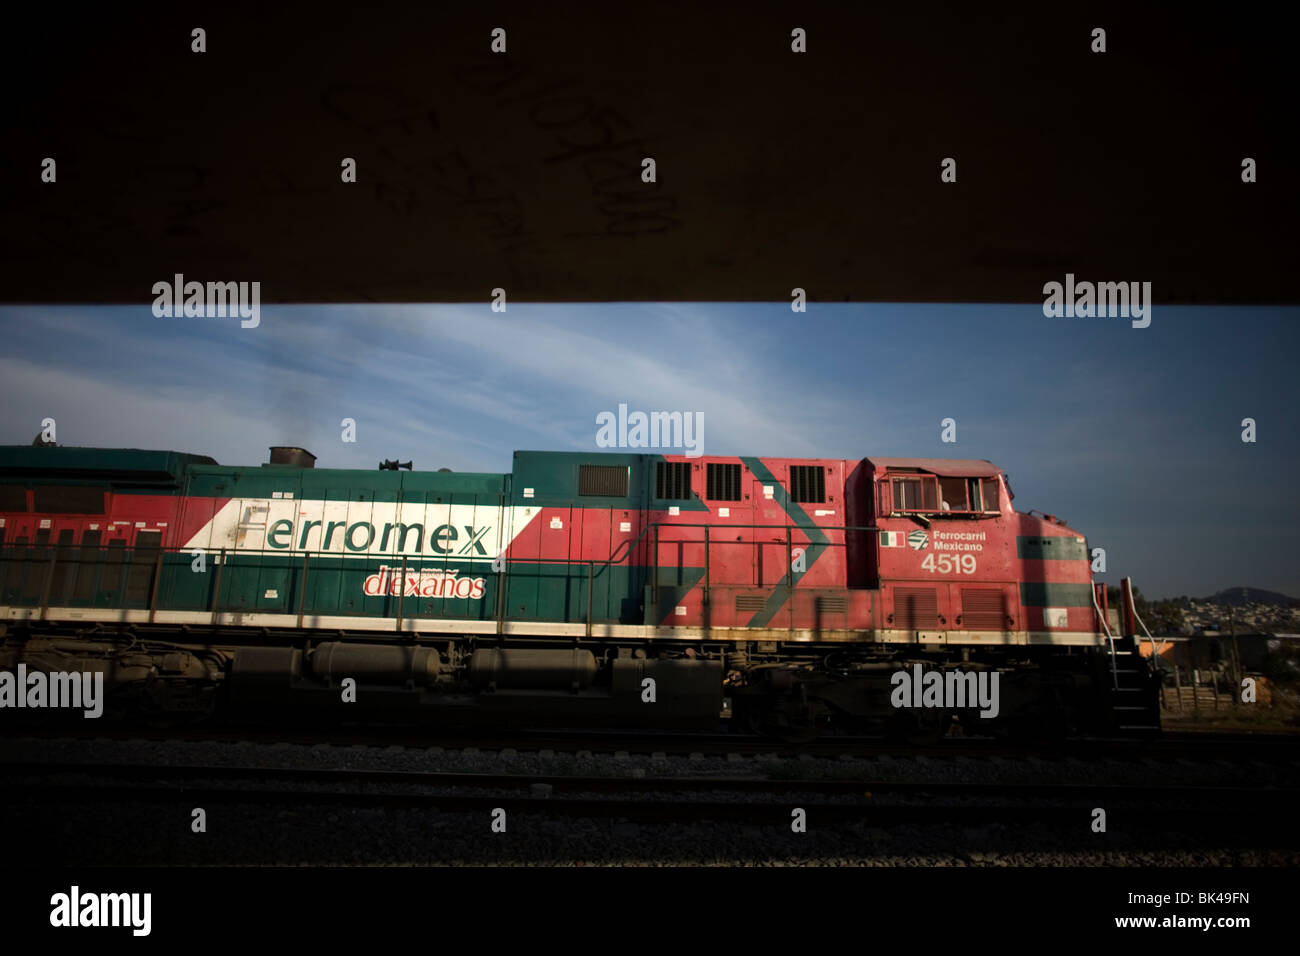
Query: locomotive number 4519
949, 564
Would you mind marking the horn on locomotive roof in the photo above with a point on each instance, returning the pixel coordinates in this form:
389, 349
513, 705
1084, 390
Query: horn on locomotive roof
392, 464
288, 455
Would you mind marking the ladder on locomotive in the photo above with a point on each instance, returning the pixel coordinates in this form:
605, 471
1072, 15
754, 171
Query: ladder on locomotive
1135, 692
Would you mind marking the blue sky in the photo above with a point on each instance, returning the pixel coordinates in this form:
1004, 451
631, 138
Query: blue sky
1132, 435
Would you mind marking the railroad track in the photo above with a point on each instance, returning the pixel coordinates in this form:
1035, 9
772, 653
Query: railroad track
1231, 747
752, 784
749, 799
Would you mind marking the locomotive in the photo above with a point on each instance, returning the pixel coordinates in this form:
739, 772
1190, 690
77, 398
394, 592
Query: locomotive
780, 595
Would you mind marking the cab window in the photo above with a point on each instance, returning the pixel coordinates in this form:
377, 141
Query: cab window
952, 494
918, 493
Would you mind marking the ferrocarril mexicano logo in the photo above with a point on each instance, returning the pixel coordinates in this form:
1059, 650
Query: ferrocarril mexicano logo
959, 540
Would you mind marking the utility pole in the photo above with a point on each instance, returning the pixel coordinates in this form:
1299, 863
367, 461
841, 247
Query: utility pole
1236, 655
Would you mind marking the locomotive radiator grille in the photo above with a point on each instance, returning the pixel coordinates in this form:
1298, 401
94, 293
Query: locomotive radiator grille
983, 608
916, 609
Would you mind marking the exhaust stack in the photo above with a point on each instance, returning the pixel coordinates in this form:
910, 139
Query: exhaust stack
297, 457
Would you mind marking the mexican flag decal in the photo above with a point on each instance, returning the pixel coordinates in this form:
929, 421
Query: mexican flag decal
891, 539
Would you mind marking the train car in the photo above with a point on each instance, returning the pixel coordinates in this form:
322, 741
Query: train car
785, 595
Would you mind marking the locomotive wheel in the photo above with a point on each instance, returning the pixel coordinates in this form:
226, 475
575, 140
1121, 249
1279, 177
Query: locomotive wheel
780, 723
919, 727
1045, 719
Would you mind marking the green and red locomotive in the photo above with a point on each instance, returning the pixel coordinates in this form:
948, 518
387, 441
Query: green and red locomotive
613, 589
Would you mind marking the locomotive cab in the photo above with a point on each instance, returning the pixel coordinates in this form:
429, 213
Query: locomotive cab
901, 499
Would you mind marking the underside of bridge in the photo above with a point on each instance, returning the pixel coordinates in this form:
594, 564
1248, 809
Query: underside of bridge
526, 170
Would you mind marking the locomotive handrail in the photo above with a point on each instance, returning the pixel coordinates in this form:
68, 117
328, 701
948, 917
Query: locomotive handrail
50, 574
799, 527
630, 545
291, 552
123, 568
130, 587
1114, 672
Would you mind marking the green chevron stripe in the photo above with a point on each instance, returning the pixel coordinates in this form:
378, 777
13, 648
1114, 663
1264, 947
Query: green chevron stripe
817, 540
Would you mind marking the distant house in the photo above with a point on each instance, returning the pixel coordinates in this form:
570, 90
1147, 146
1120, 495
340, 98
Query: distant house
1212, 648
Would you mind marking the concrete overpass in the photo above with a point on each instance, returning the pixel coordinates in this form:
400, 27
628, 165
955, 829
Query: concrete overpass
774, 169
